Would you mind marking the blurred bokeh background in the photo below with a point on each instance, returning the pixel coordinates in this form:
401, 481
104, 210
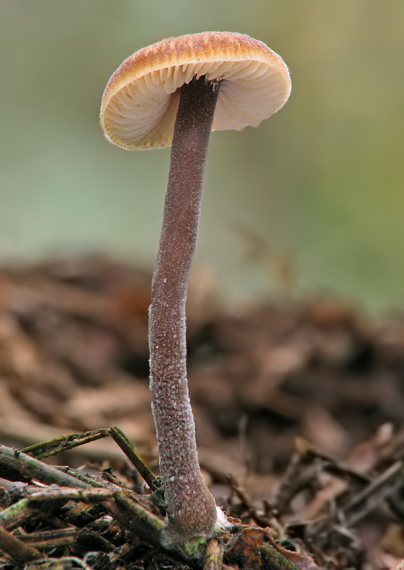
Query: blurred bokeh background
312, 200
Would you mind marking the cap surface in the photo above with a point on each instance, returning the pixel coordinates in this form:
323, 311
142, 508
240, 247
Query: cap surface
140, 101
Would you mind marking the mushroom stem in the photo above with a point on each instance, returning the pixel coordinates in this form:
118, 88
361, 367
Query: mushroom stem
190, 506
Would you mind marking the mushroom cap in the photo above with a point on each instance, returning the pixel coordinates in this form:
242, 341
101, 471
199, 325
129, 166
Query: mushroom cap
140, 101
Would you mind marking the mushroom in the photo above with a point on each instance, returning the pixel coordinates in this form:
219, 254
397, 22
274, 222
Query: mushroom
176, 92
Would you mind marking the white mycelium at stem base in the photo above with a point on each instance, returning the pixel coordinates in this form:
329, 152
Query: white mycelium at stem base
190, 506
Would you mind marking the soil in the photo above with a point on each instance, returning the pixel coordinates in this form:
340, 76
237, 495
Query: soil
299, 409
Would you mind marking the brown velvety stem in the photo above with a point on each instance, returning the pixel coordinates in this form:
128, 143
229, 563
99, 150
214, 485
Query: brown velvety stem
190, 506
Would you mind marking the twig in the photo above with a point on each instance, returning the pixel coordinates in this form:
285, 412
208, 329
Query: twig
91, 482
18, 551
64, 443
120, 438
261, 520
18, 466
134, 517
377, 491
26, 509
214, 556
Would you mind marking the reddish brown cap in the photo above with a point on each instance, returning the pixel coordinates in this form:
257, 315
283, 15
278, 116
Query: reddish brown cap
141, 99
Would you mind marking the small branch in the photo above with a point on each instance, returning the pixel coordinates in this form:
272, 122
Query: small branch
120, 438
65, 562
82, 495
64, 443
136, 518
26, 509
16, 549
90, 481
247, 503
50, 539
214, 556
18, 466
16, 515
382, 488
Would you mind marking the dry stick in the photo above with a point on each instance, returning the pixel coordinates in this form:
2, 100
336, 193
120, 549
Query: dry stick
134, 517
23, 511
18, 551
64, 443
337, 468
214, 556
379, 490
82, 495
300, 472
68, 442
59, 563
16, 515
120, 438
18, 466
247, 503
49, 539
385, 478
121, 505
190, 505
376, 492
29, 433
291, 481
91, 482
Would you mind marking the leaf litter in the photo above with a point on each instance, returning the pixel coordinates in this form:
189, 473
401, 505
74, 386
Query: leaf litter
299, 409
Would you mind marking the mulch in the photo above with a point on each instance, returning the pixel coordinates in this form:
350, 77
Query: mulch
299, 408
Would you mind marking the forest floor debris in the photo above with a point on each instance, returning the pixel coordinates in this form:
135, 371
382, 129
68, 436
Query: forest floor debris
299, 410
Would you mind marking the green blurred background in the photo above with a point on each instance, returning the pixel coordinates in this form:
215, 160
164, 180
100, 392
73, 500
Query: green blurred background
320, 183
